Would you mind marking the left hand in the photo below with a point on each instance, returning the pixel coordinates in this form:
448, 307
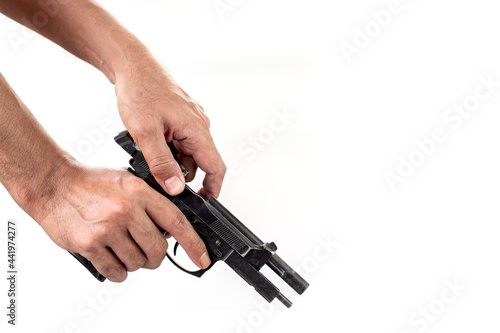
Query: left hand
155, 110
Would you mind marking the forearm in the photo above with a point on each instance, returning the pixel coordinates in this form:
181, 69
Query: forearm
83, 28
152, 106
29, 158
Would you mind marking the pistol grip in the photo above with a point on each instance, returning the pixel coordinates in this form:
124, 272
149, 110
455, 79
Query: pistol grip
89, 266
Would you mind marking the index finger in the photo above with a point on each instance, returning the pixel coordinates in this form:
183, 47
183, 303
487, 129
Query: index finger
208, 159
168, 217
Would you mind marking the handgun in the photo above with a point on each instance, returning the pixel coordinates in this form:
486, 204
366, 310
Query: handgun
226, 238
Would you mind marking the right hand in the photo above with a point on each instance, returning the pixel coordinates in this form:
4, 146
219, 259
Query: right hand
109, 217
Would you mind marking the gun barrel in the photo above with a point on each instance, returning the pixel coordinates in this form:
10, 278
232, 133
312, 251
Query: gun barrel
292, 278
284, 300
256, 279
278, 265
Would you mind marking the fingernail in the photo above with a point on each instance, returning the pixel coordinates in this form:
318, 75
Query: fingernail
204, 261
174, 185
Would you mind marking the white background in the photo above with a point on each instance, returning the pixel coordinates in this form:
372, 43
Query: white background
320, 179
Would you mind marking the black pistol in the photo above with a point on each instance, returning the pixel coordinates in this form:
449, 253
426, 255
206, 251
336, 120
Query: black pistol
226, 238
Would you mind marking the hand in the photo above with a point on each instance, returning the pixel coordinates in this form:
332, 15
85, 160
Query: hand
155, 110
109, 217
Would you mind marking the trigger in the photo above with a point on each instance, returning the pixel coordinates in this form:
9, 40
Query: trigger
197, 273
175, 248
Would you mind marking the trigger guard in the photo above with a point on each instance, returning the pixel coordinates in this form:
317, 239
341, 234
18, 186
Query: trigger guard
197, 273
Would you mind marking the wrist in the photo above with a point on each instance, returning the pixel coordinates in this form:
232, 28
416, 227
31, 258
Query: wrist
123, 55
36, 197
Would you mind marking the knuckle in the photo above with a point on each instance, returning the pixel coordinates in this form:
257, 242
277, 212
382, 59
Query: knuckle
153, 264
159, 249
156, 255
161, 165
137, 261
179, 222
120, 209
118, 279
114, 272
142, 130
223, 168
192, 104
198, 245
87, 245
206, 120
135, 184
102, 230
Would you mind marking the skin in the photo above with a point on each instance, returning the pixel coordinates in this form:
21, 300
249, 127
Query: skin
107, 215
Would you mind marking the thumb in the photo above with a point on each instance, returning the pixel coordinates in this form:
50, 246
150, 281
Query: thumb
162, 164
